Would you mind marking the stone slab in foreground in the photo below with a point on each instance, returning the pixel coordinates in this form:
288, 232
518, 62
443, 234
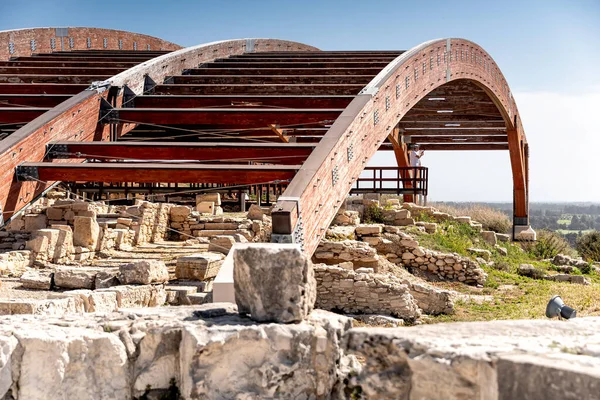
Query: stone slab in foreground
212, 352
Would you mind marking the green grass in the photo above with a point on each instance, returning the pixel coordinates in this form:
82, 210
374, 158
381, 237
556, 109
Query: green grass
514, 296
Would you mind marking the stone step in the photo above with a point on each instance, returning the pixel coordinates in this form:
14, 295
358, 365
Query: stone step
179, 295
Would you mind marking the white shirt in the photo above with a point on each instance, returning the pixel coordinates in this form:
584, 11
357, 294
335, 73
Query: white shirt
415, 161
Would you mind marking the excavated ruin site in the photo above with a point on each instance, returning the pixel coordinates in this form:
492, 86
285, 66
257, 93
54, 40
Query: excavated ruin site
201, 223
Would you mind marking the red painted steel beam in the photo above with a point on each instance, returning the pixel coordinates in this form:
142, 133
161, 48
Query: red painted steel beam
32, 100
280, 153
61, 79
270, 79
39, 88
68, 64
226, 63
372, 71
457, 147
15, 115
227, 117
156, 172
271, 89
29, 70
460, 139
151, 101
126, 58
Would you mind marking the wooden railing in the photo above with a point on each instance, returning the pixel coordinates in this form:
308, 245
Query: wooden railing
392, 180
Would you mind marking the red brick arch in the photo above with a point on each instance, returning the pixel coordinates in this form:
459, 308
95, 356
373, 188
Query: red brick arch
318, 190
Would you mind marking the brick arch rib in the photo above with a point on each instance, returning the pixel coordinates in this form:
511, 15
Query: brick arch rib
319, 188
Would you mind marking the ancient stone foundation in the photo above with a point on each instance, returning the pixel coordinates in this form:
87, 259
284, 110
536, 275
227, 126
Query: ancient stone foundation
210, 352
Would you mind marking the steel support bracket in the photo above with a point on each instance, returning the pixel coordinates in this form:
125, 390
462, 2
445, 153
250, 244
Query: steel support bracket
149, 84
128, 97
108, 115
99, 86
297, 236
56, 151
25, 173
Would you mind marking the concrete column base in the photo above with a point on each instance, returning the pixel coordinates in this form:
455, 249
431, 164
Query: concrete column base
524, 233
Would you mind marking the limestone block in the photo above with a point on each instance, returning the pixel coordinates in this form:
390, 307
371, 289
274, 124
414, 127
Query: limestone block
489, 237
54, 213
158, 360
463, 220
64, 243
85, 232
372, 230
502, 237
273, 282
33, 222
209, 197
200, 298
124, 221
107, 278
50, 307
8, 344
38, 244
206, 207
144, 272
255, 213
483, 253
200, 266
36, 279
393, 202
219, 210
179, 213
138, 296
309, 373
75, 278
53, 236
221, 244
405, 222
78, 364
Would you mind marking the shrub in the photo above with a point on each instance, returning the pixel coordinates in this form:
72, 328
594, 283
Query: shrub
548, 245
588, 246
490, 218
373, 214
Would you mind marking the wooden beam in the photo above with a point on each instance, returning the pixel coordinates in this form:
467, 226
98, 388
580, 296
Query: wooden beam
153, 172
279, 132
517, 162
402, 158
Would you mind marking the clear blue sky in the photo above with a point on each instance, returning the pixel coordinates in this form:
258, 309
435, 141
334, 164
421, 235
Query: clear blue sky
549, 51
530, 40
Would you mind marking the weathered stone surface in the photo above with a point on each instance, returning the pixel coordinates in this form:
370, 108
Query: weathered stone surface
144, 272
483, 253
107, 278
255, 213
75, 278
211, 197
578, 279
85, 232
78, 364
372, 230
221, 244
359, 292
36, 279
34, 222
200, 266
505, 360
502, 237
138, 295
179, 213
273, 282
310, 351
489, 237
205, 207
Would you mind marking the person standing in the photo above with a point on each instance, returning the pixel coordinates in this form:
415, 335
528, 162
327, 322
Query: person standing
415, 155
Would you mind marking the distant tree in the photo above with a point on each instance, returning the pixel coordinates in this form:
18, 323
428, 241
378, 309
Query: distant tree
588, 246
